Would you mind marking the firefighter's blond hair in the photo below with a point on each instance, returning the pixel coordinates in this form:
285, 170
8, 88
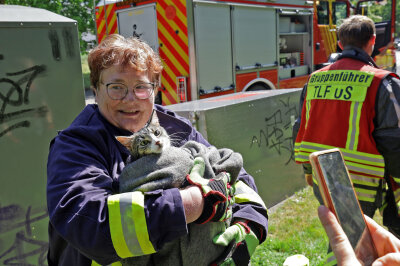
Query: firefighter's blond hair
125, 52
356, 31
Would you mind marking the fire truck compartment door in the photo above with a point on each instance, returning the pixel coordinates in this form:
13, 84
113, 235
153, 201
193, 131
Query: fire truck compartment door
213, 46
140, 22
254, 36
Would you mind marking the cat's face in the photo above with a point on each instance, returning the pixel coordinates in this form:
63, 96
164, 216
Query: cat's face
149, 140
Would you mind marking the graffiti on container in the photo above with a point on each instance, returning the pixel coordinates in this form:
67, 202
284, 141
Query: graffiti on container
22, 248
12, 94
277, 131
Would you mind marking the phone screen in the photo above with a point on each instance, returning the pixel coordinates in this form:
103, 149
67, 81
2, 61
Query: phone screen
346, 206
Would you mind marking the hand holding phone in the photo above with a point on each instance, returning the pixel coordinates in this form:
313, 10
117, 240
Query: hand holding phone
338, 195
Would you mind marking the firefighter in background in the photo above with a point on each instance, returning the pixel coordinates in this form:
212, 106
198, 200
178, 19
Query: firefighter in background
351, 105
92, 223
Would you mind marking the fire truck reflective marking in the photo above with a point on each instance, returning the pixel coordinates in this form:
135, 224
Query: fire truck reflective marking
180, 18
329, 39
170, 98
180, 6
106, 28
174, 48
175, 65
181, 38
101, 23
111, 19
183, 66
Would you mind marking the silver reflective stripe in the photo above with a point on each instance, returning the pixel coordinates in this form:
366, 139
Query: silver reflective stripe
364, 158
365, 195
353, 126
311, 147
363, 170
304, 157
371, 181
128, 224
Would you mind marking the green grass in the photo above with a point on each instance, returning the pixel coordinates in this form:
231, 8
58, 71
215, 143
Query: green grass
294, 228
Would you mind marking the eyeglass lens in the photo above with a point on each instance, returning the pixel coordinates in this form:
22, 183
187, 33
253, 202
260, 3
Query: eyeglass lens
118, 91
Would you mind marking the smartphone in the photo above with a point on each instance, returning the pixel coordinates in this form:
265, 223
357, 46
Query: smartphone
338, 194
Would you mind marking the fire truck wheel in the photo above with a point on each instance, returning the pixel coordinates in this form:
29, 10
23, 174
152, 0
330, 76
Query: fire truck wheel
258, 87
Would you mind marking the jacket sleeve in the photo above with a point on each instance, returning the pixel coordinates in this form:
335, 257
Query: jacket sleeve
248, 204
86, 210
296, 127
387, 131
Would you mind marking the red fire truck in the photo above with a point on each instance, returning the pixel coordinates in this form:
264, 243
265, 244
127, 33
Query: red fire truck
330, 13
216, 47
212, 48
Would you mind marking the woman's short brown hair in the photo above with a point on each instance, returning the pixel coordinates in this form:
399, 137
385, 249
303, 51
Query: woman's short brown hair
356, 31
126, 52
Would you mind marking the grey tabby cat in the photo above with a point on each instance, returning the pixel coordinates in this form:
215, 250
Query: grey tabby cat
157, 164
152, 139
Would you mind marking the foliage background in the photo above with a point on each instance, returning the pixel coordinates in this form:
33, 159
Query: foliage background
80, 10
83, 12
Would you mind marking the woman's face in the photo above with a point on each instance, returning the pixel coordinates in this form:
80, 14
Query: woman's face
129, 113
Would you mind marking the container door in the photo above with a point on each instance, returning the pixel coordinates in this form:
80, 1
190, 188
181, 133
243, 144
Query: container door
140, 22
213, 47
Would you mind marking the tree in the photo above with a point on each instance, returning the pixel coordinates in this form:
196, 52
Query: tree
79, 10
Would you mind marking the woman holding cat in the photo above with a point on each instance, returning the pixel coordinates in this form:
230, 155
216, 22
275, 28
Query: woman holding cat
90, 221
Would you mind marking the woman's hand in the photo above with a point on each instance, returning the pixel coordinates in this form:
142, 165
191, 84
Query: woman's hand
387, 245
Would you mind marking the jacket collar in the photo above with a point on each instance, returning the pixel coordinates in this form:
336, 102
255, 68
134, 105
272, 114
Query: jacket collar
358, 54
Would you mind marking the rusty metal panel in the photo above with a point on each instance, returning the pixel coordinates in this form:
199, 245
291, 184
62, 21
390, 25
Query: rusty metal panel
41, 91
259, 126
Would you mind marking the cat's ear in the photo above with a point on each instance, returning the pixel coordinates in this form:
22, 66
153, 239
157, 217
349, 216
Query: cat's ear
126, 141
154, 119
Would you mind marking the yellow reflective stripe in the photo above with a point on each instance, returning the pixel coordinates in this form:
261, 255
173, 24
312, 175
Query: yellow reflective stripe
354, 126
117, 234
372, 170
118, 263
126, 202
366, 199
302, 156
308, 107
396, 179
364, 158
140, 223
397, 195
244, 194
128, 225
357, 156
365, 194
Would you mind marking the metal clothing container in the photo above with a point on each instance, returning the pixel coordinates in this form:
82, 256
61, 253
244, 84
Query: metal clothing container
41, 91
259, 126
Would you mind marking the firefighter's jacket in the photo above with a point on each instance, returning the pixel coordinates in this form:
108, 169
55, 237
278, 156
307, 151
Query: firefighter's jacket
351, 105
91, 223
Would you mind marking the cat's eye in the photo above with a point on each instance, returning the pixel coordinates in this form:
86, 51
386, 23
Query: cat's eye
157, 132
144, 142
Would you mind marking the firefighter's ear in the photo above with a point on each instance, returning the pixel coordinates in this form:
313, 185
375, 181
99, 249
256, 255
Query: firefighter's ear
372, 40
340, 45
